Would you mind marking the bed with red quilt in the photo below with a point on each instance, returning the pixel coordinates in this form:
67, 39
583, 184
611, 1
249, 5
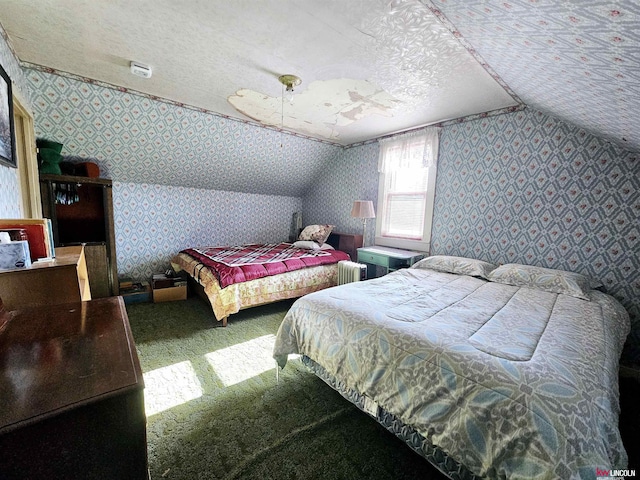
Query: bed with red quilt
232, 278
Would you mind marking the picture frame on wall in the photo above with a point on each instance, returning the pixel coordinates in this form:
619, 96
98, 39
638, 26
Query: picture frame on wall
7, 129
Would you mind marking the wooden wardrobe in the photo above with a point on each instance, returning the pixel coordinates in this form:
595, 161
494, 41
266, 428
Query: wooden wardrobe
81, 212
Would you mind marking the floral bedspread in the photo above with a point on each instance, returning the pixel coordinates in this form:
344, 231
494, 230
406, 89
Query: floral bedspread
230, 300
510, 381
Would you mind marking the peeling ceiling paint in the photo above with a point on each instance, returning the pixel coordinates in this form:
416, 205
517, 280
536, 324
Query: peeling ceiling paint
203, 53
319, 109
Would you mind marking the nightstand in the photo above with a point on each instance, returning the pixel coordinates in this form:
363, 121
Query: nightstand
389, 258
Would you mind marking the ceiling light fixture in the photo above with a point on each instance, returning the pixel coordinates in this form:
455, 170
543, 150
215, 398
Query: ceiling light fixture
288, 81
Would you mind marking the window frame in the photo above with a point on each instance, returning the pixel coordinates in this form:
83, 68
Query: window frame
424, 244
27, 161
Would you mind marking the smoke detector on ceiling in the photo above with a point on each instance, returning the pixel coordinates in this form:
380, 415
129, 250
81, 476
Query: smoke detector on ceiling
141, 70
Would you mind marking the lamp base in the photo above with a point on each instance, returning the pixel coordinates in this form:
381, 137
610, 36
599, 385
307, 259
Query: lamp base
364, 232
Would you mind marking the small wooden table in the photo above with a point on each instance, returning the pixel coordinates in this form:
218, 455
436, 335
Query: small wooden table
72, 393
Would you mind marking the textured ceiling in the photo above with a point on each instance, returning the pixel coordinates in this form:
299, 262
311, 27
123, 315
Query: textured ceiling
368, 67
576, 60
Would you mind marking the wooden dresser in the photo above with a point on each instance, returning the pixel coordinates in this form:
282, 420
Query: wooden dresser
72, 394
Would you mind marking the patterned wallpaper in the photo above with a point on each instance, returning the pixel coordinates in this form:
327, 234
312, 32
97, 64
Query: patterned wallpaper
522, 187
154, 222
136, 139
528, 188
575, 60
175, 169
10, 200
9, 193
351, 176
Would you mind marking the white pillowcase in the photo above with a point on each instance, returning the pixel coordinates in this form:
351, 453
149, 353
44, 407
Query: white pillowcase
306, 244
309, 245
547, 279
458, 265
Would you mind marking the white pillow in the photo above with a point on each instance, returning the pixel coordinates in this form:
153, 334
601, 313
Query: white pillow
459, 265
547, 279
326, 246
307, 245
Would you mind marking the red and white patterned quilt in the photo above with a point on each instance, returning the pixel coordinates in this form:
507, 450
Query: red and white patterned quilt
242, 263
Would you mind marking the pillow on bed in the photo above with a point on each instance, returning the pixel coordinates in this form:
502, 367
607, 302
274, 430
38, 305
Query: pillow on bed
316, 233
547, 279
306, 244
309, 245
459, 265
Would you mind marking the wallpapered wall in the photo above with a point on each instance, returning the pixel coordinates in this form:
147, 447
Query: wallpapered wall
178, 167
9, 193
528, 188
522, 187
348, 177
154, 222
137, 139
10, 200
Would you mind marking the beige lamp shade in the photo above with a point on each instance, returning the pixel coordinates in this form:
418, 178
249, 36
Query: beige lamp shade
363, 209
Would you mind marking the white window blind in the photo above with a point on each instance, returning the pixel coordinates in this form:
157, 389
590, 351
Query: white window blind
407, 180
404, 207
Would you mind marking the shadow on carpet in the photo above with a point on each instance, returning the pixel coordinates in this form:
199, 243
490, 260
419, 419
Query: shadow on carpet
215, 410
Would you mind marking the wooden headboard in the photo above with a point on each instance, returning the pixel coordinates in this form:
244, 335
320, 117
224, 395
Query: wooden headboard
347, 242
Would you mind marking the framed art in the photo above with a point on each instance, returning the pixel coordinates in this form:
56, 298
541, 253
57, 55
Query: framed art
7, 129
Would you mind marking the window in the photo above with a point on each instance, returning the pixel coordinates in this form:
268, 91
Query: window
406, 191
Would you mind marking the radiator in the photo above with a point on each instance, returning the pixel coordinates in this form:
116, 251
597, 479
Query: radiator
351, 272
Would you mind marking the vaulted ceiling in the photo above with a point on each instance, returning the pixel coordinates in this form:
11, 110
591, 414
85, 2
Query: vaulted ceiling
368, 67
576, 60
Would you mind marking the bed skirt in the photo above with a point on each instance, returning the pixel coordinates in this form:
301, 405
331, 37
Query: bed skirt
434, 455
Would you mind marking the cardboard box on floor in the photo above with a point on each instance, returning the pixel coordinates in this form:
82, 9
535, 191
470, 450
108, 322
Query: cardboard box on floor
169, 294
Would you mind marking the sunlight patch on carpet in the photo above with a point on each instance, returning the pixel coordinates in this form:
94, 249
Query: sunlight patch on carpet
170, 386
244, 360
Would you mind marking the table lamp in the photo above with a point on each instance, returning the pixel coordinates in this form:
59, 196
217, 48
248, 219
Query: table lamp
363, 209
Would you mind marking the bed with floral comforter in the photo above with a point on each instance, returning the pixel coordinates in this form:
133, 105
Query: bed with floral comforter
512, 373
238, 277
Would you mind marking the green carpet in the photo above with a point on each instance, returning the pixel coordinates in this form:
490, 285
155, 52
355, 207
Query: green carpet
215, 410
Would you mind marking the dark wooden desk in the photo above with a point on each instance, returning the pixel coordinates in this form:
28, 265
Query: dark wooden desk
72, 394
